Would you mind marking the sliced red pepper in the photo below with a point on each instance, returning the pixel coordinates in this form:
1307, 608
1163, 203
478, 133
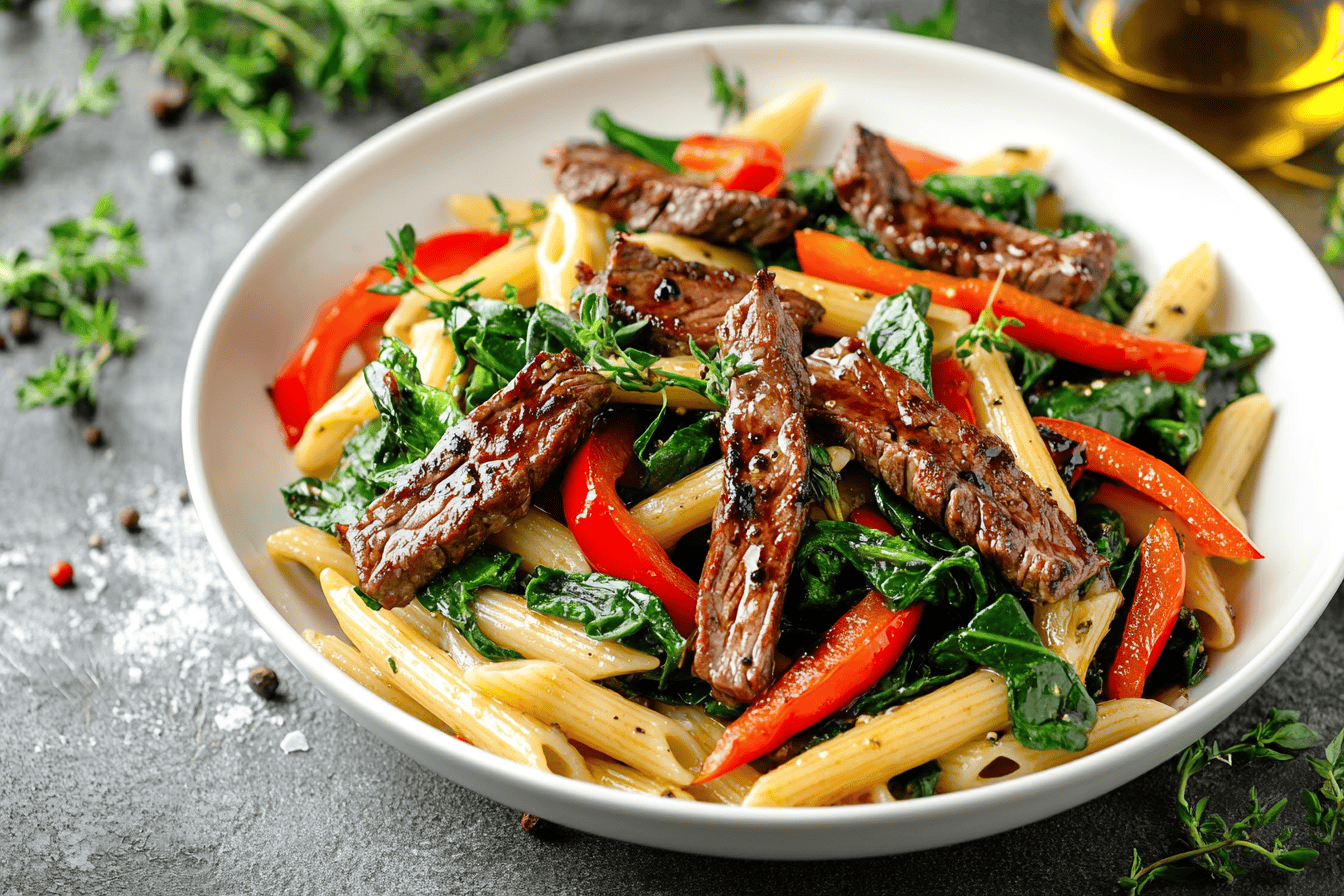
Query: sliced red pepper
355, 318
952, 388
918, 161
866, 516
1121, 461
613, 542
1157, 602
737, 163
1048, 327
855, 652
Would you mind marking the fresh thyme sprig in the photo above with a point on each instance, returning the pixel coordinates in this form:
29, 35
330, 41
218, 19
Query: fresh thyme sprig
33, 117
1217, 846
518, 228
987, 333
729, 94
69, 283
942, 25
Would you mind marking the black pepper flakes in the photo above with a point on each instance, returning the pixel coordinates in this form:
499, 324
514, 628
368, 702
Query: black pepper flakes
264, 682
129, 518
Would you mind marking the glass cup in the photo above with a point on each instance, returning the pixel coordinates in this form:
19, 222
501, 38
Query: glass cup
1255, 82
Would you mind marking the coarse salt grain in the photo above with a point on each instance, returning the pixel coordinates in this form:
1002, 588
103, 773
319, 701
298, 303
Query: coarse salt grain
294, 742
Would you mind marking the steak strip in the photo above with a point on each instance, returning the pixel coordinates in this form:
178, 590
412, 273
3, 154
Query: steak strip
759, 518
476, 480
681, 299
647, 197
877, 191
962, 478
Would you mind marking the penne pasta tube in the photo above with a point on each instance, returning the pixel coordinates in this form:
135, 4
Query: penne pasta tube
438, 684
730, 788
1009, 160
440, 632
992, 759
682, 506
1170, 308
592, 715
878, 793
372, 677
677, 396
506, 620
872, 752
1233, 440
999, 408
783, 119
478, 210
1074, 628
542, 541
1205, 597
569, 235
613, 774
313, 548
689, 248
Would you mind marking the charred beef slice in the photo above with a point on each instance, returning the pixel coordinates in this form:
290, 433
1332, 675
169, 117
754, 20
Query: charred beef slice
962, 478
759, 519
877, 191
647, 197
478, 478
681, 299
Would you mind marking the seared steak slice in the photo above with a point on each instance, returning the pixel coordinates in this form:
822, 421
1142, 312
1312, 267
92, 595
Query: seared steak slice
877, 191
478, 478
962, 478
647, 197
759, 518
681, 298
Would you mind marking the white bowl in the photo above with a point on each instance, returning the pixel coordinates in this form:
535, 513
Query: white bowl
1117, 164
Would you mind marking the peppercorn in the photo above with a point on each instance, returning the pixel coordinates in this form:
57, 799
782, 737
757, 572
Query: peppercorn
129, 518
185, 174
264, 682
169, 102
95, 540
2, 342
20, 323
533, 825
93, 436
61, 573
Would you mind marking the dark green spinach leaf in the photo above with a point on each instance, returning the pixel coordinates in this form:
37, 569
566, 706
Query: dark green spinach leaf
452, 594
1005, 197
658, 150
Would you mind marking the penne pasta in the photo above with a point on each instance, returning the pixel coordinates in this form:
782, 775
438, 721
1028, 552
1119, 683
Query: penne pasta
569, 235
689, 248
995, 758
1233, 440
542, 541
441, 632
506, 620
313, 548
1009, 160
728, 788
438, 684
783, 119
873, 752
1205, 597
677, 396
610, 773
1171, 307
682, 506
479, 212
373, 677
592, 715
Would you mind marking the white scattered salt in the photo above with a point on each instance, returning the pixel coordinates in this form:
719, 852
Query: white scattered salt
234, 717
15, 557
12, 589
294, 742
97, 585
162, 162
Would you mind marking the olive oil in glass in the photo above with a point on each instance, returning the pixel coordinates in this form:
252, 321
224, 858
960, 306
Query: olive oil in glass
1255, 82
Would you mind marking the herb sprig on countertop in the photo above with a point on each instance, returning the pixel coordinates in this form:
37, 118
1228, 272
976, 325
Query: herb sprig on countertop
1218, 847
250, 60
70, 283
33, 117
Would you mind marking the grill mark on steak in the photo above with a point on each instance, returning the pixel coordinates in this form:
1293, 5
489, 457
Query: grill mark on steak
759, 518
964, 479
681, 299
647, 197
877, 191
478, 478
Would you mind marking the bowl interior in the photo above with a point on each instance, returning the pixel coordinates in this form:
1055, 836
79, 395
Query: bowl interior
1160, 190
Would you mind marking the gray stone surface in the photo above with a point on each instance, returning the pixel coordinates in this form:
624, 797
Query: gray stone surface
133, 759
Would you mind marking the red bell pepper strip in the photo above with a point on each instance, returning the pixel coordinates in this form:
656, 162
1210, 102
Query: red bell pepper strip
738, 163
952, 388
355, 318
855, 652
606, 532
1121, 461
1046, 326
918, 161
1157, 602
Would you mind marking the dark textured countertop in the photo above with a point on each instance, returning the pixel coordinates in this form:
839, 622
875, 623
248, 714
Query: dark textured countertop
133, 758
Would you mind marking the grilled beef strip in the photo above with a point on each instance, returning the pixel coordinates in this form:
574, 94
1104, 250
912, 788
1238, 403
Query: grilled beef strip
681, 299
759, 518
478, 478
962, 478
647, 197
877, 191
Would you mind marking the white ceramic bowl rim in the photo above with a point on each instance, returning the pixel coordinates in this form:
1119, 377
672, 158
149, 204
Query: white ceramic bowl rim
1137, 752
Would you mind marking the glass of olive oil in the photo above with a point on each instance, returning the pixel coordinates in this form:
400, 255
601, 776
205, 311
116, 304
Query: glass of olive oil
1255, 82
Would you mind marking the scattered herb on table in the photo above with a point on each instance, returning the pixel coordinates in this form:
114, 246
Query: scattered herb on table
1218, 847
942, 25
33, 117
70, 283
250, 61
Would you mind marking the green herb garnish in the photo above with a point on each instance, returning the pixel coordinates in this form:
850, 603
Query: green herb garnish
987, 334
730, 95
32, 116
941, 25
